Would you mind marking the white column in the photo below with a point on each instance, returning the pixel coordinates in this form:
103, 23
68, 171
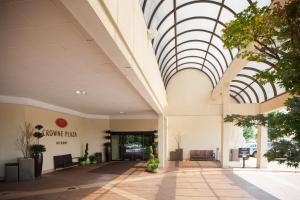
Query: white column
161, 140
166, 147
262, 139
226, 127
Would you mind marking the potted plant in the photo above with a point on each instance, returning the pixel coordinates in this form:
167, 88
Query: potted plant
82, 161
23, 143
86, 154
153, 162
178, 151
92, 159
37, 151
107, 146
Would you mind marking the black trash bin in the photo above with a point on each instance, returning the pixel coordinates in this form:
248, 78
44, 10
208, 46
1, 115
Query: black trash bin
11, 172
98, 156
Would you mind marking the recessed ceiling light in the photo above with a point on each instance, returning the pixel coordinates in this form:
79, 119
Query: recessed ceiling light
80, 92
121, 112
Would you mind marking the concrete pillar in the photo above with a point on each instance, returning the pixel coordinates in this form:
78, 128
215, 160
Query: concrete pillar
226, 127
161, 140
262, 139
166, 147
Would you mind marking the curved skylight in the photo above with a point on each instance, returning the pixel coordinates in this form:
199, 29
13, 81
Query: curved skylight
244, 88
189, 34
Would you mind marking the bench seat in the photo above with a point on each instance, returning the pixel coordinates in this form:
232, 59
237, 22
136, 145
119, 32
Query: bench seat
63, 161
202, 155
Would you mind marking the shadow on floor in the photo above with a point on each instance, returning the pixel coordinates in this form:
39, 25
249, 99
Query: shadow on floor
255, 191
119, 168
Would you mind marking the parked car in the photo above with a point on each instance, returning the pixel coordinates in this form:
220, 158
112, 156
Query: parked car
253, 148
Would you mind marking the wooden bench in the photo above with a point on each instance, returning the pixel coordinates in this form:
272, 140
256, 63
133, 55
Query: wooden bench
202, 155
63, 161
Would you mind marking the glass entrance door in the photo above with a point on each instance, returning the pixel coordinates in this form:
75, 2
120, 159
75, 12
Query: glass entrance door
131, 146
116, 147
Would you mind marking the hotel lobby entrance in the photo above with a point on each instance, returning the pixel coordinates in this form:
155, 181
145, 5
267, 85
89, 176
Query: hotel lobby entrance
131, 146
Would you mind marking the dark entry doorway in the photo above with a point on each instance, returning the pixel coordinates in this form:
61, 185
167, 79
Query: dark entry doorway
131, 145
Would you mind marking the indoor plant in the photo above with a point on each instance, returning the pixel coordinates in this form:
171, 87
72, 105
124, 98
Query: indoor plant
153, 162
107, 146
92, 159
23, 143
37, 151
178, 151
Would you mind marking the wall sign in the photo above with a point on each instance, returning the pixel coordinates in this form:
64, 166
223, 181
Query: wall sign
60, 122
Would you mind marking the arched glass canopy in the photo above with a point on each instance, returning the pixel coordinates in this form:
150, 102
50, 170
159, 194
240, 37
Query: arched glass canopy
244, 88
189, 34
189, 37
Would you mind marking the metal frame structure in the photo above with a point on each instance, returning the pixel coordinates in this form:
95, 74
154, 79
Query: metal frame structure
171, 48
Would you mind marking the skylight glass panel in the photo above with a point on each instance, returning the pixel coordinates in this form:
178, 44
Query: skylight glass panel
191, 65
219, 29
280, 90
164, 8
269, 90
219, 56
208, 72
191, 53
248, 72
258, 91
193, 44
262, 3
251, 94
226, 16
196, 35
216, 70
163, 50
214, 62
219, 43
245, 97
168, 55
257, 65
163, 38
237, 5
191, 10
202, 24
149, 8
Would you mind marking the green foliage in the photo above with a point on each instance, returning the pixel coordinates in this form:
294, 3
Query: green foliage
92, 159
82, 161
248, 133
283, 130
86, 151
275, 35
38, 135
153, 162
37, 148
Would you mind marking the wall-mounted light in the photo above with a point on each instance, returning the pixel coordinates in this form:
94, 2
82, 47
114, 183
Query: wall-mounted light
152, 33
81, 92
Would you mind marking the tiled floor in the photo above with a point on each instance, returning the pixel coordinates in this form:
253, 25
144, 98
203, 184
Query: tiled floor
129, 180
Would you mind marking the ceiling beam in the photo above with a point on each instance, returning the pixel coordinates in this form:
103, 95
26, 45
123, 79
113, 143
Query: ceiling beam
233, 70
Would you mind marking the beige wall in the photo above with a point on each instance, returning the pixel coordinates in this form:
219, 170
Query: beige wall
90, 131
193, 113
133, 124
12, 116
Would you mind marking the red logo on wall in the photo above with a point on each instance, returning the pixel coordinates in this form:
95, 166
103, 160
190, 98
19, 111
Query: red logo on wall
60, 122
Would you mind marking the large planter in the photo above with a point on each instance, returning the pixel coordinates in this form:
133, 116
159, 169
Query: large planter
108, 153
179, 154
26, 169
38, 164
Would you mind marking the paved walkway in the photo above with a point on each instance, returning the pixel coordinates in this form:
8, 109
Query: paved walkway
128, 180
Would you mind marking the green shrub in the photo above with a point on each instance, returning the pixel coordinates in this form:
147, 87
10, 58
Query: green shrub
153, 161
92, 159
